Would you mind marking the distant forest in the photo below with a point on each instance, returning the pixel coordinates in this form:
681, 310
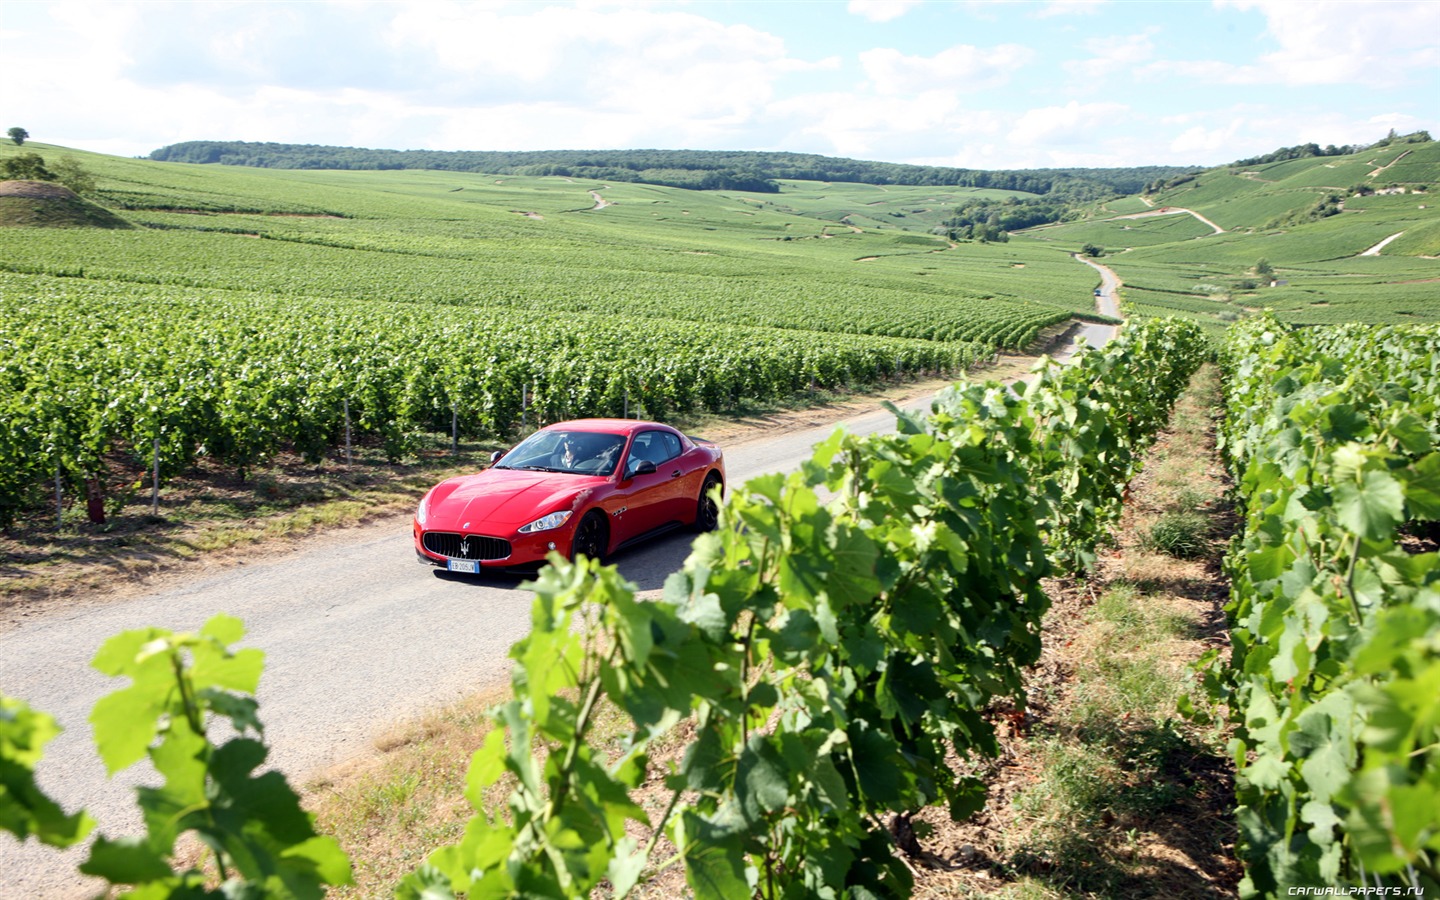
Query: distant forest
692, 169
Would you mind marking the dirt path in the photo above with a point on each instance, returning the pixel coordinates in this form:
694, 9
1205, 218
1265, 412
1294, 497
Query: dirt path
1375, 250
1377, 172
1173, 211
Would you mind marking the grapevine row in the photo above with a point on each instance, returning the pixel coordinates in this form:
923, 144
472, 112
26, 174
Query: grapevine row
90, 368
381, 261
1334, 681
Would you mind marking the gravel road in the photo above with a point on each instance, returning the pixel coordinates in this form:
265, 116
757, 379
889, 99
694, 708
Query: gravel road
356, 634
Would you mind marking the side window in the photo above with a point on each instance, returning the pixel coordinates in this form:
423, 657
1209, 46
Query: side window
656, 446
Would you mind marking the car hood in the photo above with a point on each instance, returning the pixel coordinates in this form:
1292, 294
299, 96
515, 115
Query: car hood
503, 499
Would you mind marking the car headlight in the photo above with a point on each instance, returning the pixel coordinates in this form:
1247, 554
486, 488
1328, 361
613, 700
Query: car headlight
554, 520
423, 510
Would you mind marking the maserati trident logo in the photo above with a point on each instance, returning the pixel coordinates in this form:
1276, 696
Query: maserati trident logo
465, 547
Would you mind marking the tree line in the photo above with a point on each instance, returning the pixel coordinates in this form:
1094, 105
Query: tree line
1305, 151
693, 169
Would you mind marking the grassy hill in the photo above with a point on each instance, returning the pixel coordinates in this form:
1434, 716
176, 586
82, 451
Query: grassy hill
546, 243
47, 205
817, 256
1315, 221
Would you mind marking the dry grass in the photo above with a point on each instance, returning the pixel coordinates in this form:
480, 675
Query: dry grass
391, 809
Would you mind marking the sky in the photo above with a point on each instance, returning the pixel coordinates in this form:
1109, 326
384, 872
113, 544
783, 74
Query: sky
985, 84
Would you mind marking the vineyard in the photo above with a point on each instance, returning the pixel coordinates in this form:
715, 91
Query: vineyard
822, 659
852, 628
257, 312
827, 658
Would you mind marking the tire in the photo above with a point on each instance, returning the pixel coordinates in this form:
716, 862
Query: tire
707, 511
590, 538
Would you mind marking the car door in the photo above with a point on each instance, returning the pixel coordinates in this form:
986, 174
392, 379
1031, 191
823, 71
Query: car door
682, 488
645, 499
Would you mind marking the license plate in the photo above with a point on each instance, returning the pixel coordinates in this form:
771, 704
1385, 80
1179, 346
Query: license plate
468, 566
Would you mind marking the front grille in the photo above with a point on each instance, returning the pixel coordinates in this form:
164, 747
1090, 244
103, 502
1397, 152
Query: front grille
447, 543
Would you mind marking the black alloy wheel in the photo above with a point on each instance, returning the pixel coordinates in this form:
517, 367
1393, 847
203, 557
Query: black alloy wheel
589, 538
707, 510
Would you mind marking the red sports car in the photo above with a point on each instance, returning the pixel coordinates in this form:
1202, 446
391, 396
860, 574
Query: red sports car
590, 486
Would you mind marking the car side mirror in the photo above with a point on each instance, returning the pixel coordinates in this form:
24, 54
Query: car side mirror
496, 456
644, 467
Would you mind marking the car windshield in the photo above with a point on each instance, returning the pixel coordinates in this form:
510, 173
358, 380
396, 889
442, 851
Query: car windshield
578, 452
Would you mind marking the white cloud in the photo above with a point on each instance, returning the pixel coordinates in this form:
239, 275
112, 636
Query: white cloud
1218, 136
1200, 142
881, 10
865, 126
960, 68
1072, 123
1112, 54
1070, 8
1338, 42
1203, 72
127, 76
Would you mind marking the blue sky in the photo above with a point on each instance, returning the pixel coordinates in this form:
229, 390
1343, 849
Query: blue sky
994, 84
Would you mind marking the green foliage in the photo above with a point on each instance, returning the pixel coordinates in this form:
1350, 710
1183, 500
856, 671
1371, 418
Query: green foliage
1006, 215
1305, 151
1182, 535
73, 175
108, 370
263, 843
25, 810
414, 295
831, 656
1098, 414
692, 169
1334, 441
18, 135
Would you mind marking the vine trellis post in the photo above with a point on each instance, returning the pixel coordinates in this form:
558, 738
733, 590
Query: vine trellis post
155, 478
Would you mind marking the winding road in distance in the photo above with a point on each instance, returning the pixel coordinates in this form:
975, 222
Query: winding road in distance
356, 636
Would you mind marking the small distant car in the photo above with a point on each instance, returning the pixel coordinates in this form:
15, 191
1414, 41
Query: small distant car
587, 487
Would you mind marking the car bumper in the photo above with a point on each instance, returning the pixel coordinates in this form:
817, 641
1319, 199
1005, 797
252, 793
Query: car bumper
526, 550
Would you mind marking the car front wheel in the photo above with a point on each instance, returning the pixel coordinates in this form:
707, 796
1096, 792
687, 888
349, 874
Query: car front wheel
589, 538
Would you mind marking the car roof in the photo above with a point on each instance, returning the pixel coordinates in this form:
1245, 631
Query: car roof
606, 426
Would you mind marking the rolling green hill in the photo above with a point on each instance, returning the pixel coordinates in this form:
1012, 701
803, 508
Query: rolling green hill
546, 243
1317, 221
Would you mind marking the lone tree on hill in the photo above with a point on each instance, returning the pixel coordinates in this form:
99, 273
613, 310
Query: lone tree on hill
18, 135
1093, 250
